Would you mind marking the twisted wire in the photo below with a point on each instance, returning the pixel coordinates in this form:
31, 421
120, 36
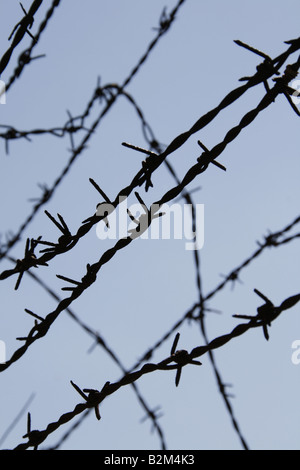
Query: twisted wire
110, 93
77, 151
38, 437
19, 32
92, 270
25, 57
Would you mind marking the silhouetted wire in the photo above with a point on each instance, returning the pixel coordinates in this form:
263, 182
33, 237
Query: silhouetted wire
153, 143
19, 31
92, 270
25, 57
99, 340
70, 431
273, 239
178, 141
16, 419
181, 358
264, 71
202, 164
109, 102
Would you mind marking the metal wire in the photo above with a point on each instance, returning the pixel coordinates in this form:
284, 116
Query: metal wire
156, 156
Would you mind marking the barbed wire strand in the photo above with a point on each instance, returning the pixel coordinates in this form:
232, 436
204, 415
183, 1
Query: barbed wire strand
17, 419
25, 57
19, 31
181, 358
201, 165
272, 240
76, 152
100, 341
266, 71
153, 143
92, 270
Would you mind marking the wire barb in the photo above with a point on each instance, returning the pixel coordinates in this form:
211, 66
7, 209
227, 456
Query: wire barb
267, 312
29, 260
182, 358
106, 95
93, 398
204, 159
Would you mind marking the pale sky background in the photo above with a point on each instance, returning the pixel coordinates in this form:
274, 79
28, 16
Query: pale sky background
141, 293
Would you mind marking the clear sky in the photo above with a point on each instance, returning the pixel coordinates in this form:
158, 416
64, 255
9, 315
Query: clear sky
148, 286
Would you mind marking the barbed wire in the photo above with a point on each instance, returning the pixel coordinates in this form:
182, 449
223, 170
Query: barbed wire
19, 31
152, 142
99, 93
25, 57
13, 134
266, 314
67, 241
274, 240
100, 341
153, 161
156, 155
270, 240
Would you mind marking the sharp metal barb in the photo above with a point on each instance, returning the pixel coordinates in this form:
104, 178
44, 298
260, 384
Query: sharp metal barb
107, 95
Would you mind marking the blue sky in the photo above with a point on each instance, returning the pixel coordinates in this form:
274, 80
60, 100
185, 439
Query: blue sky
147, 287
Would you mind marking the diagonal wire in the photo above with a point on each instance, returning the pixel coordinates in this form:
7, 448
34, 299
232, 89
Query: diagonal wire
99, 340
76, 152
20, 30
166, 364
92, 270
25, 57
